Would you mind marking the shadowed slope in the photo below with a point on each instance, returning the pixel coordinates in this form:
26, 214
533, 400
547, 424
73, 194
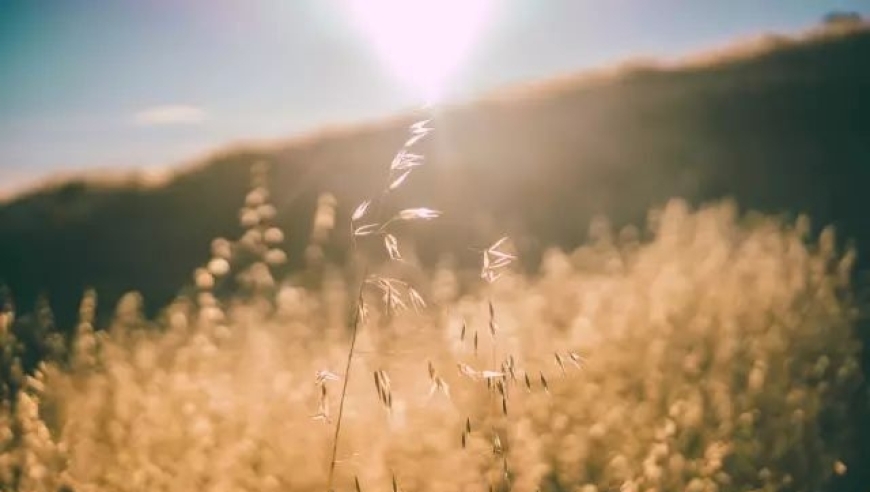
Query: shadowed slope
785, 130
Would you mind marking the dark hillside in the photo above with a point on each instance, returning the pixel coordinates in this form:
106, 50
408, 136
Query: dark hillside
787, 130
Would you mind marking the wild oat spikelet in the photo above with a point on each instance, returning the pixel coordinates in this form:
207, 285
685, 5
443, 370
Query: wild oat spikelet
399, 180
467, 371
323, 407
360, 210
322, 376
405, 160
367, 229
418, 131
418, 214
392, 245
497, 448
493, 260
578, 360
560, 363
417, 301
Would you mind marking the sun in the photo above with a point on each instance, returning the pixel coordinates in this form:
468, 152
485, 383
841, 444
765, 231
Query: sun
422, 42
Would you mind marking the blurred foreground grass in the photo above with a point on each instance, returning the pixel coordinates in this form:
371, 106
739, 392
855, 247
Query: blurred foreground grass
720, 356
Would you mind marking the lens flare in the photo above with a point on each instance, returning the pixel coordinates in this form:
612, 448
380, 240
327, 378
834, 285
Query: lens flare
422, 42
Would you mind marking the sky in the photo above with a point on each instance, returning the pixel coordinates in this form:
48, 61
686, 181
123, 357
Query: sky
112, 84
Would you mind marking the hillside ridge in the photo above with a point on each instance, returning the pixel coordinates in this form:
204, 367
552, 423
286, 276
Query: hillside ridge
783, 132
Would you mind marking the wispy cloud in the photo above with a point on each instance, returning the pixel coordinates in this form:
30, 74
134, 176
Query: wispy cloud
170, 114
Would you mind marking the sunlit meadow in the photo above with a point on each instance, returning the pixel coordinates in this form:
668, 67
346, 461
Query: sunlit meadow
703, 351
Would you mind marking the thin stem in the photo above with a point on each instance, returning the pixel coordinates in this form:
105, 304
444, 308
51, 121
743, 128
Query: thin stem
493, 412
379, 206
355, 330
494, 339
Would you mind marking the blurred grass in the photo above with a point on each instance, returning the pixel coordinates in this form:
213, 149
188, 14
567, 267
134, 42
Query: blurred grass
721, 356
723, 346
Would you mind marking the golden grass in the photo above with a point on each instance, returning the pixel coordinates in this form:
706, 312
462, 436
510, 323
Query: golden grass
718, 356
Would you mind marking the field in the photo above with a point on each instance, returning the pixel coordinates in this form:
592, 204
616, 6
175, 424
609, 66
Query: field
605, 295
671, 376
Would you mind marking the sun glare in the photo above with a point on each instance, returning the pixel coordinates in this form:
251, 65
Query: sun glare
423, 42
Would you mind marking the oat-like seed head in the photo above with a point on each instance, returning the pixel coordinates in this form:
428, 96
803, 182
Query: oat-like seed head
560, 362
360, 210
544, 383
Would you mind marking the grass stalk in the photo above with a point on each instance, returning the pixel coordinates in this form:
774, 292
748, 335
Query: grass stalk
418, 131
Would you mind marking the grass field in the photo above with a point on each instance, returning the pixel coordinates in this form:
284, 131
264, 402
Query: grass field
705, 348
717, 355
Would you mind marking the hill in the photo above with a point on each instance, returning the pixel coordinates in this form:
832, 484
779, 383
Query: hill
782, 130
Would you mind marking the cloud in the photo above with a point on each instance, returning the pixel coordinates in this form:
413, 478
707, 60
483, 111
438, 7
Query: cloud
170, 114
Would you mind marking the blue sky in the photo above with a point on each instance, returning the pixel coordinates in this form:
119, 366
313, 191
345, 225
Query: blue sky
121, 83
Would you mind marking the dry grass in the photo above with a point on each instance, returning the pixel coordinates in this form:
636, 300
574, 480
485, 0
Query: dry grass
716, 355
719, 356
